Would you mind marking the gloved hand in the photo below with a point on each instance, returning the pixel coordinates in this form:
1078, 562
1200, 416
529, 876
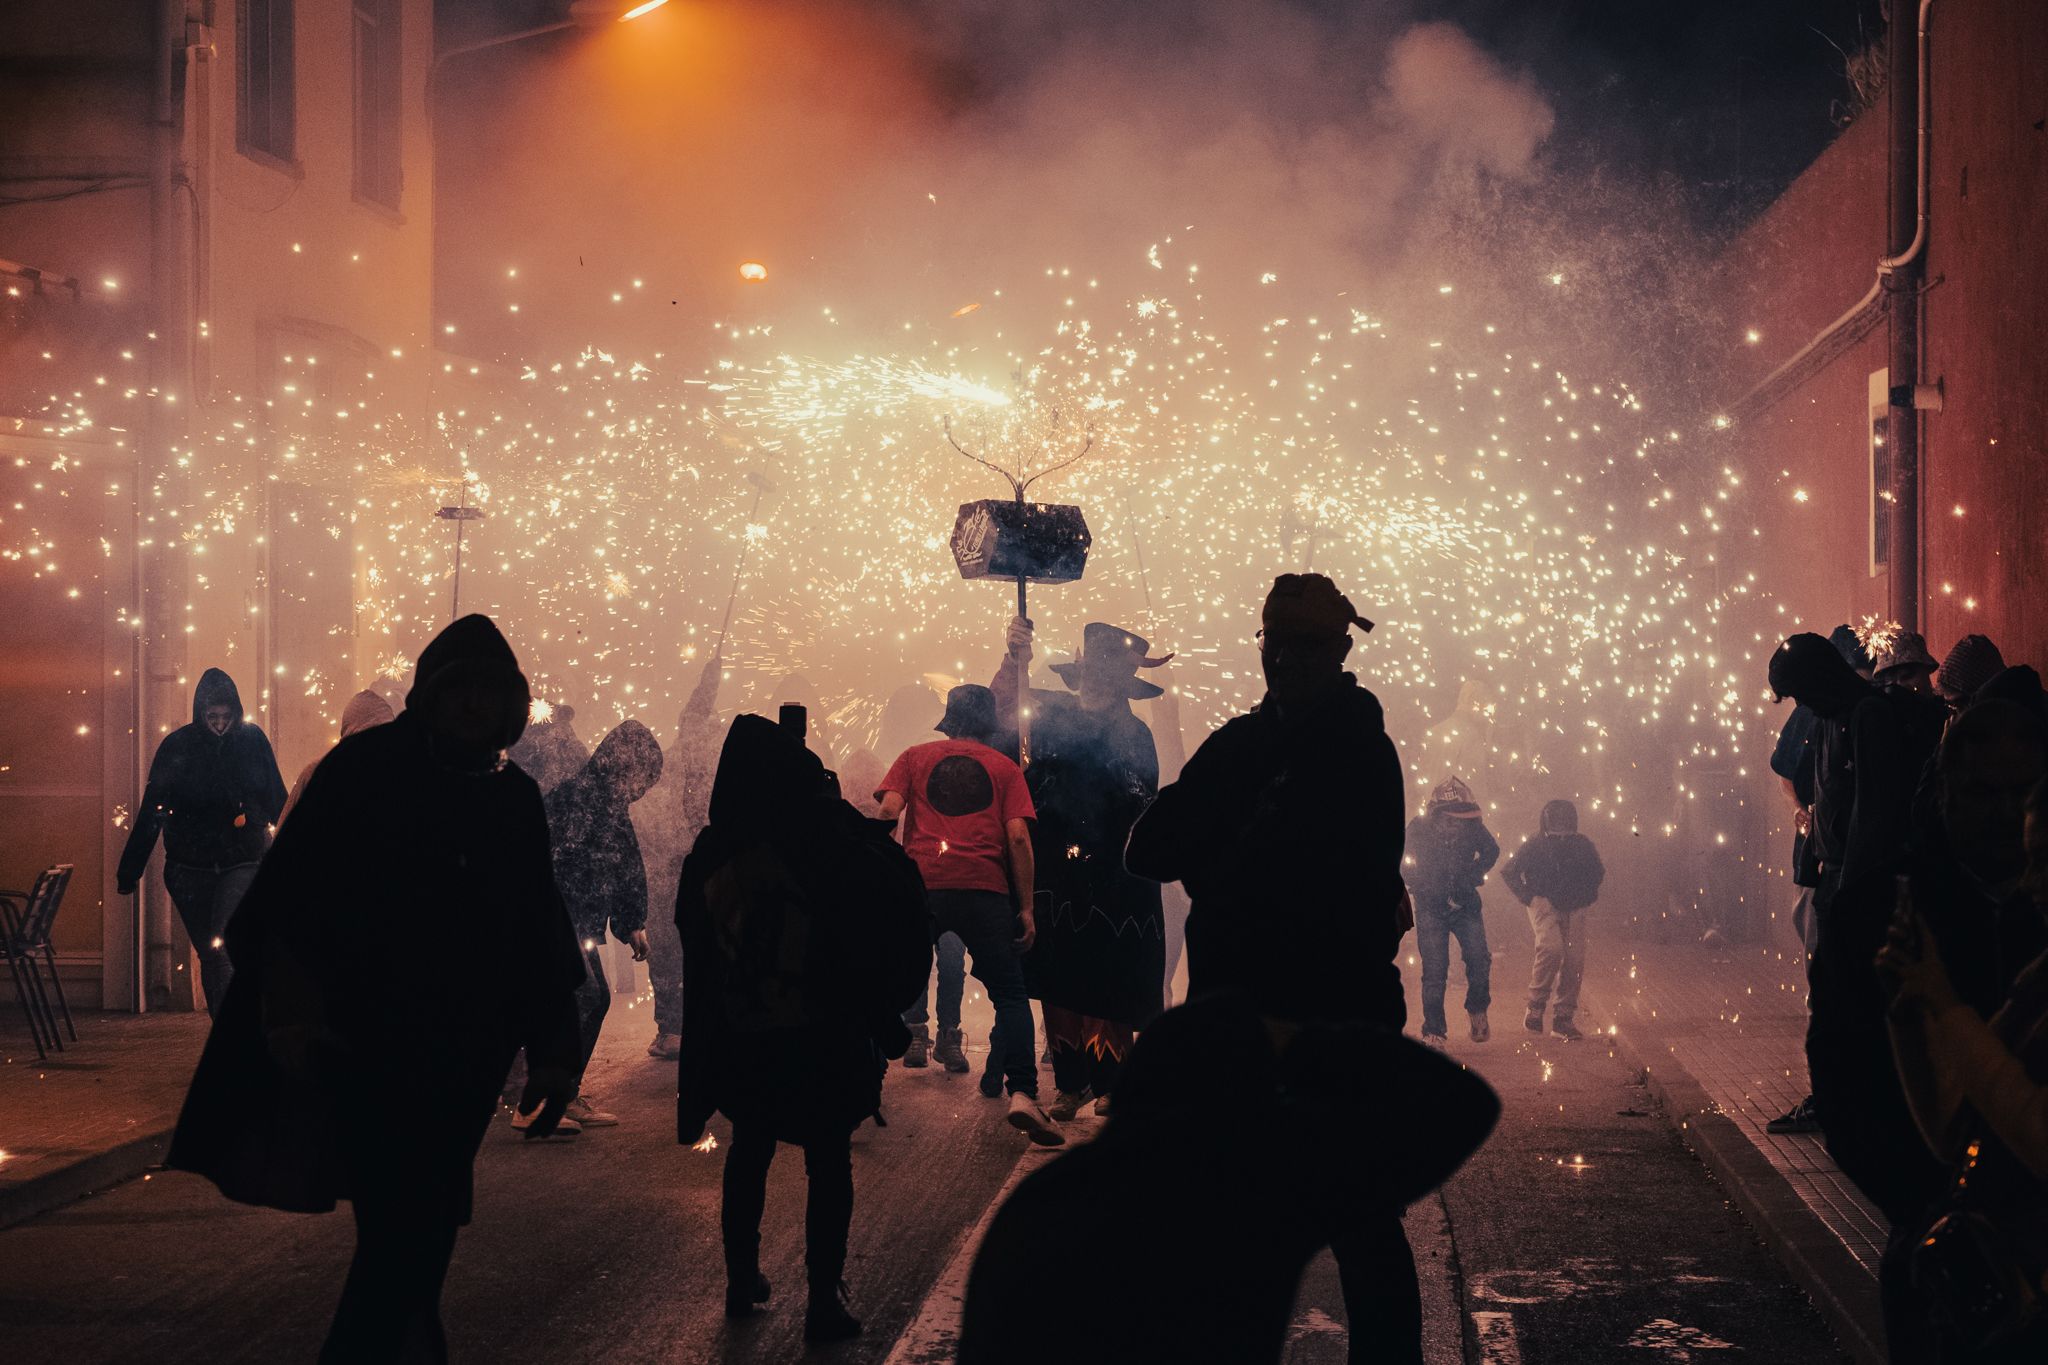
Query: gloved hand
126, 888
549, 1089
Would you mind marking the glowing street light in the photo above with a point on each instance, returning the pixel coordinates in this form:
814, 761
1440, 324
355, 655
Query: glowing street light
753, 272
638, 10
582, 14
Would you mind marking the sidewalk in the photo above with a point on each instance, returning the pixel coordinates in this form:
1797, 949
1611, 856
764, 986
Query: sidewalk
1720, 1033
95, 1114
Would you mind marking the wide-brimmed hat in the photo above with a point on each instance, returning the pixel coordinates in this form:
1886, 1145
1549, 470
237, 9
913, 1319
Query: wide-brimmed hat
1114, 655
970, 713
1903, 655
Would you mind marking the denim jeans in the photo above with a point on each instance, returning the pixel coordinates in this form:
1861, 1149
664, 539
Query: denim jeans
952, 954
1434, 927
986, 924
206, 898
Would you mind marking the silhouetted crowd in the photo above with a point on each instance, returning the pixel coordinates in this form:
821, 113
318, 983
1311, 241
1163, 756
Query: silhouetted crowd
1041, 843
1922, 862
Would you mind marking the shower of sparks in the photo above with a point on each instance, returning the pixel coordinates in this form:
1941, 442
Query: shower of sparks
1535, 534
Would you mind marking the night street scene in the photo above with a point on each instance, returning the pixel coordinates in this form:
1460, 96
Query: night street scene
1345, 682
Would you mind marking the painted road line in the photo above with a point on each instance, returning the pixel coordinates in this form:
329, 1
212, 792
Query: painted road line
1498, 1344
933, 1337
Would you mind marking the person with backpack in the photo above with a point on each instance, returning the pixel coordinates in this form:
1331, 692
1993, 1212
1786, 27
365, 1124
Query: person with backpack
1556, 876
805, 936
1447, 853
967, 819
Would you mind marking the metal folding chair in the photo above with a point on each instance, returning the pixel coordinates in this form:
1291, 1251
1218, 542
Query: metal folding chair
25, 921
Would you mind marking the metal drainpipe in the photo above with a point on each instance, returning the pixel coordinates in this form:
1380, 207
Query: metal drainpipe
1902, 273
171, 372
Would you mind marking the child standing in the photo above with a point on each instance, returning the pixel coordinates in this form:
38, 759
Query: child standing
1556, 875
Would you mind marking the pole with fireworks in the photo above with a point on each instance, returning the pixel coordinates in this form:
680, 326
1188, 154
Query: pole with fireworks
1022, 540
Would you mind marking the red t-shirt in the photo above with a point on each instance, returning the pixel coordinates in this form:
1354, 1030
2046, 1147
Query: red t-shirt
958, 796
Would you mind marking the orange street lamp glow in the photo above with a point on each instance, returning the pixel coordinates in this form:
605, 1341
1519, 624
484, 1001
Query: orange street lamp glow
753, 272
648, 8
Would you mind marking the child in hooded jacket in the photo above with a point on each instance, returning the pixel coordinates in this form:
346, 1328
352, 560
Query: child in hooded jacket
1557, 875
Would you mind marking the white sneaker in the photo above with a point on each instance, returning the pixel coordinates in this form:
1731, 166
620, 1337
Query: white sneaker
585, 1114
521, 1121
1027, 1118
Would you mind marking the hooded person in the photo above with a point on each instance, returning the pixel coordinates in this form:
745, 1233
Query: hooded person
364, 709
1556, 876
1973, 661
340, 1015
602, 877
668, 820
805, 936
1210, 1247
550, 750
1448, 851
214, 793
1098, 966
1286, 828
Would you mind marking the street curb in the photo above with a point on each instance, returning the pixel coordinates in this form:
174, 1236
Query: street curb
1836, 1281
53, 1190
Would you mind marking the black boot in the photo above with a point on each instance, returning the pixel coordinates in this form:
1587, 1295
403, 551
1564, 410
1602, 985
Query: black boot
744, 1293
949, 1053
827, 1318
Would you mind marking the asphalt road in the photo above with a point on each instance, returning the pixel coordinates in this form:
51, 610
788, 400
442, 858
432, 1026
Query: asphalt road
1583, 1232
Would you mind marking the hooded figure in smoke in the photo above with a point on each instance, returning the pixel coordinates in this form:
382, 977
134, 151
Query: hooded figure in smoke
598, 867
1449, 851
1099, 963
339, 1018
1556, 875
1285, 826
364, 709
805, 936
550, 750
214, 793
669, 820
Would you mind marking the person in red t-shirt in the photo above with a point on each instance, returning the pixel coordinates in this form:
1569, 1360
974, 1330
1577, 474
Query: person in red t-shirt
967, 823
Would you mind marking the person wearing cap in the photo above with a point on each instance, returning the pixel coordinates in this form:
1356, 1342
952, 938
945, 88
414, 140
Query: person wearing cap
1448, 853
1555, 876
1902, 661
1099, 965
1286, 827
967, 819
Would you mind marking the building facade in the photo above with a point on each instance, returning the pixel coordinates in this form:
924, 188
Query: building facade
216, 248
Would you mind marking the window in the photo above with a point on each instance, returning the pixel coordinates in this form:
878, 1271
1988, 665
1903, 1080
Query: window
377, 81
266, 103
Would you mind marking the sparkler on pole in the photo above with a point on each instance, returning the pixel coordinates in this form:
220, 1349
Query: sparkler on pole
459, 514
762, 486
1048, 542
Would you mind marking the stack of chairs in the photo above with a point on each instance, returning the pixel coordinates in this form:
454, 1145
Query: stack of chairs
25, 921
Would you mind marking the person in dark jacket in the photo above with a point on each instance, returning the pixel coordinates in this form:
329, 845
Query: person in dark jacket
805, 936
1209, 1247
1286, 829
603, 880
1098, 966
1556, 875
214, 793
1870, 749
1449, 851
331, 1025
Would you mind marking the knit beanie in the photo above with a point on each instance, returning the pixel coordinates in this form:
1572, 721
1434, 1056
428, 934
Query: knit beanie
1972, 663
